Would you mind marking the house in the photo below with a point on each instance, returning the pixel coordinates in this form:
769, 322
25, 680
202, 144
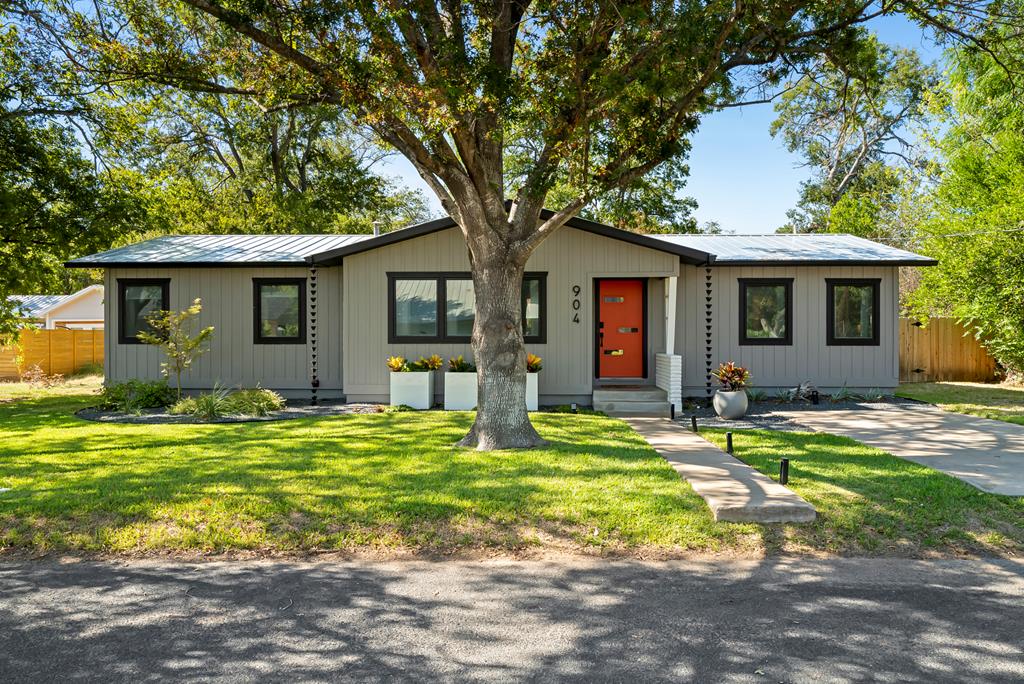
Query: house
604, 308
82, 310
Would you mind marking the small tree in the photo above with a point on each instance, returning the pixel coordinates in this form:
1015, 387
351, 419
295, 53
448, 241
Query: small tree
172, 332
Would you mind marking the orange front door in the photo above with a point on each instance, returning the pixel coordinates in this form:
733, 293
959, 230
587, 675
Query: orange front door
620, 328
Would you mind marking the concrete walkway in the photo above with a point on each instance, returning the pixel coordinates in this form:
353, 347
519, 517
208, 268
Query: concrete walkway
733, 490
988, 454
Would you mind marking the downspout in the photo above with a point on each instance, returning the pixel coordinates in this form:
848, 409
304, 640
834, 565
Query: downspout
708, 317
314, 380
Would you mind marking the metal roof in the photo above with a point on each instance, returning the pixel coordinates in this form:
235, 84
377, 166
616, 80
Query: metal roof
219, 250
300, 250
802, 248
37, 306
34, 306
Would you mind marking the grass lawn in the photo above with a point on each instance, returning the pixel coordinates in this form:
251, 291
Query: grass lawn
392, 482
872, 503
1002, 402
388, 480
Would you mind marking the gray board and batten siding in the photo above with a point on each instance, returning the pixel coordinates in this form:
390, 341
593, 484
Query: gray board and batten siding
353, 330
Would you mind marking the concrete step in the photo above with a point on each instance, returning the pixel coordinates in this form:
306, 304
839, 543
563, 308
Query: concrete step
610, 394
634, 408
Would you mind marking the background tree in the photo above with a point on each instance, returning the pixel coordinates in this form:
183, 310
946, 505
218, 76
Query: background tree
612, 89
977, 227
53, 203
852, 121
222, 163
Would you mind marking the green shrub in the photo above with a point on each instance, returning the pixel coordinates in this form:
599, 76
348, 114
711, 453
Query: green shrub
255, 402
221, 402
134, 395
207, 406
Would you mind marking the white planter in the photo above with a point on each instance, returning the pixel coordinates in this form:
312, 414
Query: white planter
730, 405
459, 391
412, 389
531, 391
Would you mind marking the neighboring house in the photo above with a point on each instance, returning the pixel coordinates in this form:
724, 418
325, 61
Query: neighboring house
602, 306
82, 310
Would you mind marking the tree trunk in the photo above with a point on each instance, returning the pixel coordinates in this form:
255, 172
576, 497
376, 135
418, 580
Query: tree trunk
501, 418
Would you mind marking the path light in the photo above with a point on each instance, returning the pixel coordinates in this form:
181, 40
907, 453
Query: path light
672, 411
728, 442
815, 397
693, 423
783, 470
573, 408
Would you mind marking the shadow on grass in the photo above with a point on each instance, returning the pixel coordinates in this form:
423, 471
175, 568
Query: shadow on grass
380, 479
870, 502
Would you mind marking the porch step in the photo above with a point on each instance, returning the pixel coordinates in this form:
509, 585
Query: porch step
632, 401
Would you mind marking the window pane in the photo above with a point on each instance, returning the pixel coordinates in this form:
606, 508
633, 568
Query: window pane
461, 308
416, 308
140, 301
279, 310
531, 307
766, 311
854, 311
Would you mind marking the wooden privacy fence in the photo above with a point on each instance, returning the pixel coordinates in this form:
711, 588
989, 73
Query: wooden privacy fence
941, 351
55, 351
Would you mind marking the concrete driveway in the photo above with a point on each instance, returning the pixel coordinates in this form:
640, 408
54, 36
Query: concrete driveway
988, 454
744, 622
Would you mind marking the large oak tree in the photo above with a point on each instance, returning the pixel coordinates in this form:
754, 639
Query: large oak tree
609, 90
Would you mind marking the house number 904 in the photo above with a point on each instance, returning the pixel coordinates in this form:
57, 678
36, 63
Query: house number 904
576, 290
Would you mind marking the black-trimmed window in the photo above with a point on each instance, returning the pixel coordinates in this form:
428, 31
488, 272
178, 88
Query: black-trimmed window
766, 311
137, 298
441, 307
279, 310
852, 311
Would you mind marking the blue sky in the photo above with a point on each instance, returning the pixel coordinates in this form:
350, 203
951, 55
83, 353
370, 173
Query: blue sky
740, 176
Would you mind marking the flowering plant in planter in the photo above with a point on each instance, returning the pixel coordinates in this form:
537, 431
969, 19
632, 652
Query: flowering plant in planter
732, 377
457, 364
412, 384
534, 364
429, 363
460, 385
730, 400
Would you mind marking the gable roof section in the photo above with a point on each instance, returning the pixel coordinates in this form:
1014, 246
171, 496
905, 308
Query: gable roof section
804, 249
686, 253
217, 250
37, 306
303, 250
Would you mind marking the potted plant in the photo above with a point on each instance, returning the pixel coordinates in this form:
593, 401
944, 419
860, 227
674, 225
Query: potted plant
534, 364
412, 384
459, 385
730, 400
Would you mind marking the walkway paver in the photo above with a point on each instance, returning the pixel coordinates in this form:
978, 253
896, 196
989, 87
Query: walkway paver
988, 454
733, 490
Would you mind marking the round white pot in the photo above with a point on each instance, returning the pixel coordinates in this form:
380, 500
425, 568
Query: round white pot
730, 405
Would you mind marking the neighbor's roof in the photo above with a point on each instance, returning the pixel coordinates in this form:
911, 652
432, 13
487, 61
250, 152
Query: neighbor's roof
37, 306
34, 306
301, 250
218, 250
801, 248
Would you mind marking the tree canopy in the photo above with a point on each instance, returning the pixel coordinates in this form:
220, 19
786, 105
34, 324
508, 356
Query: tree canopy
603, 94
976, 227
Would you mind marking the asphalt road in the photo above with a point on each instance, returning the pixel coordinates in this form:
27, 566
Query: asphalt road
728, 621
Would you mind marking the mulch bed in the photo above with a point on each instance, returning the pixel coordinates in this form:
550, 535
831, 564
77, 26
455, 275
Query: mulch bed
766, 415
298, 409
